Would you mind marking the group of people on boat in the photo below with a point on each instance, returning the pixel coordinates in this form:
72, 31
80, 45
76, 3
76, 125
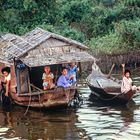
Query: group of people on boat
67, 78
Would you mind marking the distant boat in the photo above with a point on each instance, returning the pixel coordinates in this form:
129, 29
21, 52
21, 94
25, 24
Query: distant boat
27, 56
107, 89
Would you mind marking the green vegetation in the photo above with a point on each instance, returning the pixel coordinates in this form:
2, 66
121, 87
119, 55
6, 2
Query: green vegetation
108, 26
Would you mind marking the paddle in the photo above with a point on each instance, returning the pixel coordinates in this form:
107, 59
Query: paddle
109, 74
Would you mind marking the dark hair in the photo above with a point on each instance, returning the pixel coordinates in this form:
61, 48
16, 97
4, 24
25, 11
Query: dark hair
63, 69
127, 71
7, 69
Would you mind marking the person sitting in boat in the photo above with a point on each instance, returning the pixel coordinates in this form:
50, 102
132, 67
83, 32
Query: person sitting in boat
71, 70
127, 83
48, 78
64, 80
7, 79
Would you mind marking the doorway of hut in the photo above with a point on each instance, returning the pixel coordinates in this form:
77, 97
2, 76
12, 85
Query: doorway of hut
35, 74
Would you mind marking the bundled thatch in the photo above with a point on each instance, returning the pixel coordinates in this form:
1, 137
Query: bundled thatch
40, 47
12, 46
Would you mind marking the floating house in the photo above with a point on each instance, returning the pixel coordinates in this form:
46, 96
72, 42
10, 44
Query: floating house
27, 56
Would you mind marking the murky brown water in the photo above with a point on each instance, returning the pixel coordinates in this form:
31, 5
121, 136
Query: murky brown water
90, 121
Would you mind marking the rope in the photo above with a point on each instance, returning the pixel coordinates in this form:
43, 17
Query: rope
28, 105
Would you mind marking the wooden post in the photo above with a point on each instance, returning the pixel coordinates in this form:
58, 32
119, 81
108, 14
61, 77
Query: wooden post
29, 86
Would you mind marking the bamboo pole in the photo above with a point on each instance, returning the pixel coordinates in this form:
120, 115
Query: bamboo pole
109, 74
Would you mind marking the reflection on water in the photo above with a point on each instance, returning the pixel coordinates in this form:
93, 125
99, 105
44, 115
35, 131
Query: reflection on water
90, 121
46, 125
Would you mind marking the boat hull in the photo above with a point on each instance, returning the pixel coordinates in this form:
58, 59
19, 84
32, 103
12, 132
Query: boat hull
114, 97
50, 99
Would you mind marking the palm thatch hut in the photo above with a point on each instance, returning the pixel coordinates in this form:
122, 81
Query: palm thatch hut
33, 51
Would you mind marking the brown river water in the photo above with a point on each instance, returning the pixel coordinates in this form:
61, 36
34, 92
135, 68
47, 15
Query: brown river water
89, 121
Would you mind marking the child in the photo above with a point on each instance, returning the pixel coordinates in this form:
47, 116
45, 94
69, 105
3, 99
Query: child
127, 83
47, 79
64, 80
71, 70
7, 78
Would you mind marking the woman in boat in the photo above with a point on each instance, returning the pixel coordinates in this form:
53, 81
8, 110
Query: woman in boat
7, 78
127, 83
64, 80
47, 78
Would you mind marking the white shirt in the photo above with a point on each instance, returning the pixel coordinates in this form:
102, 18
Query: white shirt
8, 78
126, 84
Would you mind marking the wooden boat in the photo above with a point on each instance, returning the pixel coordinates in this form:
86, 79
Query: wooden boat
27, 56
45, 99
106, 88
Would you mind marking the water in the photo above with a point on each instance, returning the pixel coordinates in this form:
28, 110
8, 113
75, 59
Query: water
110, 123
90, 121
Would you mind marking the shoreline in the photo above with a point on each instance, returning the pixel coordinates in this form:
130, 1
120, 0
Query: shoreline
105, 61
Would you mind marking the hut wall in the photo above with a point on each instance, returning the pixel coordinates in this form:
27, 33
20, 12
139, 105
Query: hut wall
51, 42
51, 47
43, 51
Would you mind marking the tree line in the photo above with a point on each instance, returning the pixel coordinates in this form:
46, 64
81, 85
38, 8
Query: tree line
109, 26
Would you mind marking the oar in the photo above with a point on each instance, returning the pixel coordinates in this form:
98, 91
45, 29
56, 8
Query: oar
108, 76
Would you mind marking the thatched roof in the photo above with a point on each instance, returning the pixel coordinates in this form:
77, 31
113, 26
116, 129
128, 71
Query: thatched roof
40, 47
38, 35
12, 46
57, 59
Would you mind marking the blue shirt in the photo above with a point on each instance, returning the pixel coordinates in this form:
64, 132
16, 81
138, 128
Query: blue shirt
63, 81
72, 71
